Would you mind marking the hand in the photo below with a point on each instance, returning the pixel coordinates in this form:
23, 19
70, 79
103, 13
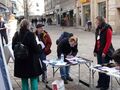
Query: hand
103, 55
95, 54
42, 44
70, 56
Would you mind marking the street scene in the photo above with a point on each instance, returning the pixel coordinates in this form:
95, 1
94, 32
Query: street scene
59, 45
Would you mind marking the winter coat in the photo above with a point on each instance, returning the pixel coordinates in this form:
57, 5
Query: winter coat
29, 67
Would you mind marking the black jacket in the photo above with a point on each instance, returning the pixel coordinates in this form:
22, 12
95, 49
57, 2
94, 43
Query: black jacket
30, 67
2, 25
65, 48
102, 32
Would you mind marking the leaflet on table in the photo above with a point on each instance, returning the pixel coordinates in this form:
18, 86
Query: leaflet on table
76, 59
73, 62
54, 62
109, 70
72, 59
59, 63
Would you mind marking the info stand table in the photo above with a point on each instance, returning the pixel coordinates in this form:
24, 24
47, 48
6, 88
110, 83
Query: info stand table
112, 72
57, 64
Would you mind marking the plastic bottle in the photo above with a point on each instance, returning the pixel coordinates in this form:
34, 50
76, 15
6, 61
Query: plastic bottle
62, 58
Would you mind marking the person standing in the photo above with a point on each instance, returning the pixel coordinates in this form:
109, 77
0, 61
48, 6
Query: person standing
12, 27
3, 31
103, 48
28, 68
67, 47
45, 38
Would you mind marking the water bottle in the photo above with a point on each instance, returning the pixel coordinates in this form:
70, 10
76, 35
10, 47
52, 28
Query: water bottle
62, 58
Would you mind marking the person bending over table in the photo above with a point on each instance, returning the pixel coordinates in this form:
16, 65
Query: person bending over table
67, 47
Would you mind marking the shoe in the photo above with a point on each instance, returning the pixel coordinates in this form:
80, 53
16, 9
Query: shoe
70, 79
102, 88
65, 81
98, 86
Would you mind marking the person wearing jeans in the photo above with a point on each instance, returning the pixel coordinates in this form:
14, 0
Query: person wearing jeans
67, 47
43, 57
64, 71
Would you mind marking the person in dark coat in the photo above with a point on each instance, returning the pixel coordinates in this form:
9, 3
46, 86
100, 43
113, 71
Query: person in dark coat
3, 31
103, 49
29, 68
67, 47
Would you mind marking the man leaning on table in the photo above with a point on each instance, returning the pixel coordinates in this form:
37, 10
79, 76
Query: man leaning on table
67, 47
103, 49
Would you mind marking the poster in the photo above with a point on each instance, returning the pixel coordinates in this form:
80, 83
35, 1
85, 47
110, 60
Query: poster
5, 83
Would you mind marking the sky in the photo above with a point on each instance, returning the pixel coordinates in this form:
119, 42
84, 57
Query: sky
33, 9
42, 5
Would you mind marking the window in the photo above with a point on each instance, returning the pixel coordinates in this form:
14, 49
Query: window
102, 9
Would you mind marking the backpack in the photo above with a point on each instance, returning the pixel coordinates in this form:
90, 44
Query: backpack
20, 50
63, 36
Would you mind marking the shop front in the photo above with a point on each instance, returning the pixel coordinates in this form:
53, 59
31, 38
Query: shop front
86, 13
4, 11
68, 17
102, 9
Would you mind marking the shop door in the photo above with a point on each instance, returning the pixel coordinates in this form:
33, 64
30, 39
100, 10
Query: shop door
86, 14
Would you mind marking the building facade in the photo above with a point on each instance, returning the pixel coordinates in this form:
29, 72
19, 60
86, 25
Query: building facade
5, 8
80, 11
28, 8
109, 9
59, 9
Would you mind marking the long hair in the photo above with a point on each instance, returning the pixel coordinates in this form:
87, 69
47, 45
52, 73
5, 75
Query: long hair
24, 24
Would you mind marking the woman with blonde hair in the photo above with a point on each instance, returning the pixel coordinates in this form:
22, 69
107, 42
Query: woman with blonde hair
28, 68
67, 47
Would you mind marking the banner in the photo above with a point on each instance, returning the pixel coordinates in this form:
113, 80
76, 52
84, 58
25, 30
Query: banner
5, 83
84, 1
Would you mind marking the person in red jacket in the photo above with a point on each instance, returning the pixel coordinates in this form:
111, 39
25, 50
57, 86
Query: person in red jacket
45, 38
103, 49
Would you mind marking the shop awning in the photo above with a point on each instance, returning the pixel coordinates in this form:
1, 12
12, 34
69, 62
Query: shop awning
84, 1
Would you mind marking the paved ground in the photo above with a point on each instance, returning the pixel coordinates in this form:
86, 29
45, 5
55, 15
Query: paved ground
86, 45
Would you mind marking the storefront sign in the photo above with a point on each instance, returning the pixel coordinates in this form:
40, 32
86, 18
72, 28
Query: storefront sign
84, 1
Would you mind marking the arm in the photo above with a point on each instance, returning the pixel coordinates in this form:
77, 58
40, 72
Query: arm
33, 43
108, 41
95, 47
75, 50
3, 26
95, 51
59, 50
48, 44
14, 40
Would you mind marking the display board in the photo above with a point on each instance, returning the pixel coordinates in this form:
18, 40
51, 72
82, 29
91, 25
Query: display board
5, 82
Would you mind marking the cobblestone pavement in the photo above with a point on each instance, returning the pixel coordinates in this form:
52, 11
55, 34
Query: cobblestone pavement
86, 45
